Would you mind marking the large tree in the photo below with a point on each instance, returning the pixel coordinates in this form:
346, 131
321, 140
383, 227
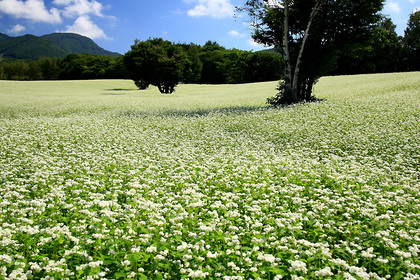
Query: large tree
157, 62
309, 33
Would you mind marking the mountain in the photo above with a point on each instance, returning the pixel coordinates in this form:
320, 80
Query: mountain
51, 45
4, 37
29, 47
75, 43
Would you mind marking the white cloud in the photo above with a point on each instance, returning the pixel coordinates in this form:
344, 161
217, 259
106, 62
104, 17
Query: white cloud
274, 4
82, 10
254, 44
62, 2
77, 8
235, 33
86, 27
16, 29
393, 7
34, 10
211, 8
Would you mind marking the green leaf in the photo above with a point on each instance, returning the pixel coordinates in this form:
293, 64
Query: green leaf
134, 258
141, 229
277, 271
79, 273
119, 275
145, 258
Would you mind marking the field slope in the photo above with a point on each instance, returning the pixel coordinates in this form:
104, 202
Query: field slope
102, 181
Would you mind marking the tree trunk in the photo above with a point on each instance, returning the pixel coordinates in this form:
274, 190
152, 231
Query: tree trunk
289, 95
160, 88
309, 86
166, 87
302, 47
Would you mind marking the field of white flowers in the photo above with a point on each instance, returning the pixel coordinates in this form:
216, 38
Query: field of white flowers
100, 181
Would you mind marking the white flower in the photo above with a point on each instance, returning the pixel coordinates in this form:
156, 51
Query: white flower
182, 247
298, 266
95, 264
159, 257
6, 259
197, 273
324, 272
210, 255
151, 249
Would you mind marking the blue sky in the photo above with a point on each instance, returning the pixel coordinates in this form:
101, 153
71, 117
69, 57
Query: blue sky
114, 25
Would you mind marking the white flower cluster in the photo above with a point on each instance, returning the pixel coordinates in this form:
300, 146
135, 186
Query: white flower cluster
91, 182
298, 266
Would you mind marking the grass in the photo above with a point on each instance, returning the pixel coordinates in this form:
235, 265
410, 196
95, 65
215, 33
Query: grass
101, 181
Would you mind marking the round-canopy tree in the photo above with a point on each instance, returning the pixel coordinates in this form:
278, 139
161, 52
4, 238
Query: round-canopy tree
309, 33
157, 62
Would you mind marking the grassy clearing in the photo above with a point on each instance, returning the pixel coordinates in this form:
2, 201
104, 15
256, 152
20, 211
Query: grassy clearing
100, 181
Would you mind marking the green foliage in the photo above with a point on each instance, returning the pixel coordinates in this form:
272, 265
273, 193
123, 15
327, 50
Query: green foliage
412, 33
88, 66
15, 70
264, 66
141, 84
50, 67
193, 67
209, 64
412, 41
157, 62
73, 67
222, 66
382, 53
213, 69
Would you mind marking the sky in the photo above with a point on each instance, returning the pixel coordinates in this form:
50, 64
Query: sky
114, 25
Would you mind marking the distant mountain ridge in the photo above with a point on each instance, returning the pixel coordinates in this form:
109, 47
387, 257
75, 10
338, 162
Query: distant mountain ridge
4, 37
50, 45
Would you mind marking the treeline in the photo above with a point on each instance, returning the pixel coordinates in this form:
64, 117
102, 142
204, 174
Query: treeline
385, 51
208, 64
213, 64
43, 68
72, 67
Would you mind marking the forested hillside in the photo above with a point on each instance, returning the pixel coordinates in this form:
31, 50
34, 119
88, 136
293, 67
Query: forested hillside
51, 45
75, 43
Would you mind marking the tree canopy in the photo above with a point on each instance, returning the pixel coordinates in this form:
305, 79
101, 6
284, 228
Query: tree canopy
157, 62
